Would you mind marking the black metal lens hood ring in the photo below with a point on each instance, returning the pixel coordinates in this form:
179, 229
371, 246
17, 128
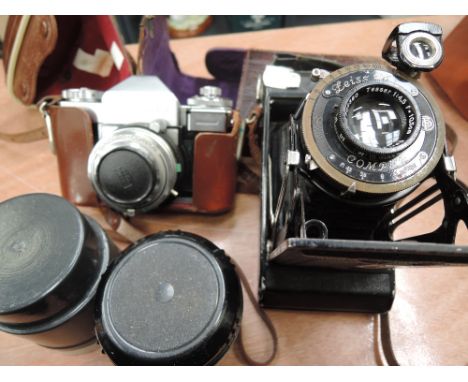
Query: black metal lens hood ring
326, 90
344, 126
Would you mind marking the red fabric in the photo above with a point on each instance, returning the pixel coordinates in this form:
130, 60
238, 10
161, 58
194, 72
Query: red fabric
87, 33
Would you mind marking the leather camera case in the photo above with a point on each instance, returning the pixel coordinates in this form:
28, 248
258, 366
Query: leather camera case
72, 132
214, 164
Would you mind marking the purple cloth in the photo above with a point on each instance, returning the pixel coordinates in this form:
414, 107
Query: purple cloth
224, 64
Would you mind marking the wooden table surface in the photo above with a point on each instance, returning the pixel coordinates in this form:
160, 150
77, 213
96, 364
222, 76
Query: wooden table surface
429, 319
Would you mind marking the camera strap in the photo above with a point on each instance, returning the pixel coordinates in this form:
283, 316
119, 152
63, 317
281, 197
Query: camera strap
383, 340
263, 316
249, 161
28, 136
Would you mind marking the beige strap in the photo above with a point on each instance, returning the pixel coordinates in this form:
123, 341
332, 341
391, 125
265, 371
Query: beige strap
25, 136
14, 55
38, 133
121, 226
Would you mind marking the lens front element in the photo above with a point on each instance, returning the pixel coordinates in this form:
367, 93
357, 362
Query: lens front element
379, 119
376, 123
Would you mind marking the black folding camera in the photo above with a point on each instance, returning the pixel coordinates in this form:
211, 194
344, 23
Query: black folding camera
343, 145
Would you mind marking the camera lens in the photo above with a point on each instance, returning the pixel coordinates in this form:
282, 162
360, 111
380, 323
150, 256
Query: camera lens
376, 123
379, 119
363, 127
133, 169
125, 176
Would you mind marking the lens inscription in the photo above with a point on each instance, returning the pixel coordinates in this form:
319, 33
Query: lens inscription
339, 86
365, 164
125, 178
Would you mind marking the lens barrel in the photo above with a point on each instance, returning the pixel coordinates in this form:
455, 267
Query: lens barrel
371, 131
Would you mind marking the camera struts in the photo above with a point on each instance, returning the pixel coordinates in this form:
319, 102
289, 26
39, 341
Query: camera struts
454, 196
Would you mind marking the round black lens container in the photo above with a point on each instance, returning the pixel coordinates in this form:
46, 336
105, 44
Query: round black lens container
173, 298
51, 261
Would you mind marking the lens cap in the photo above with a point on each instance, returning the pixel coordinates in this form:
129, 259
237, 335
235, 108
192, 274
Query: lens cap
52, 258
125, 176
134, 169
173, 298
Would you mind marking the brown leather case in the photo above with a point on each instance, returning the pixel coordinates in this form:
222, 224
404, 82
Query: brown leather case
72, 132
40, 39
214, 164
452, 75
214, 172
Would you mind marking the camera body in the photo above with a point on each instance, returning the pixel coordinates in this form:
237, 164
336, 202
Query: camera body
144, 150
343, 144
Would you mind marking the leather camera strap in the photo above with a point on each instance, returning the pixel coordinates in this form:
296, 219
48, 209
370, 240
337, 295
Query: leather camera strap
252, 125
250, 165
265, 319
125, 231
25, 136
33, 135
383, 340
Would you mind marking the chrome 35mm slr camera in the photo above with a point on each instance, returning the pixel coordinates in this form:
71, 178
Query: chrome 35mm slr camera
343, 145
136, 148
